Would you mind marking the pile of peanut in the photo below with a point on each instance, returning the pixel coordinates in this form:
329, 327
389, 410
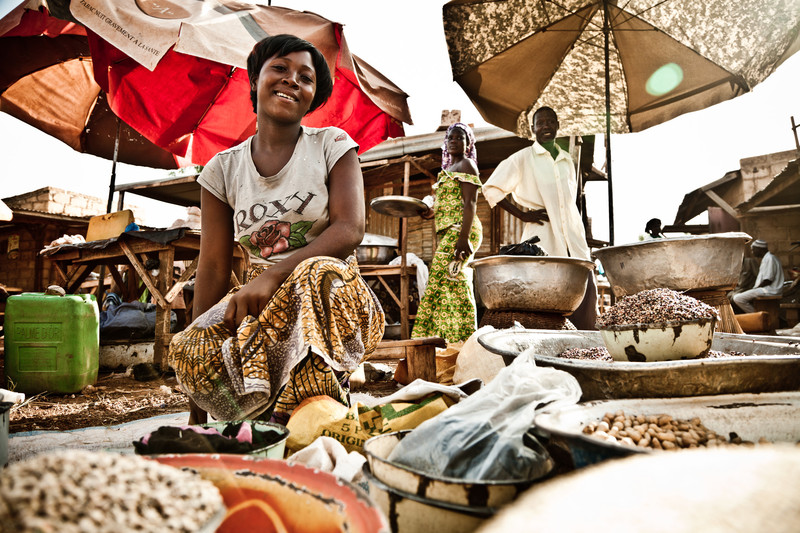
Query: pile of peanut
77, 491
659, 432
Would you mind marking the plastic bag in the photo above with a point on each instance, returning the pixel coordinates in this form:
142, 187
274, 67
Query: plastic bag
528, 247
484, 436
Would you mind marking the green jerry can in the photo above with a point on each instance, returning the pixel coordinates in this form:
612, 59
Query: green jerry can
52, 343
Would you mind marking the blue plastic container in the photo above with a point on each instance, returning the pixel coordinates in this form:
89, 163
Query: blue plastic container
52, 343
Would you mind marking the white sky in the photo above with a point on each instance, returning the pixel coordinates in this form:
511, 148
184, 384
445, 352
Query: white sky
652, 170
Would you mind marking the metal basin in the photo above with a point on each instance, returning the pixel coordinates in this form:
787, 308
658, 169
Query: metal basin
376, 249
703, 262
774, 416
772, 364
374, 254
546, 284
666, 341
488, 496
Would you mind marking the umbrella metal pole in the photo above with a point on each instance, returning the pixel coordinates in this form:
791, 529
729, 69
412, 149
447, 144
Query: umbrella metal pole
606, 33
113, 168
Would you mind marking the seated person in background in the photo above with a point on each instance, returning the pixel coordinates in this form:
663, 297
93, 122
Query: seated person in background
769, 281
652, 230
747, 277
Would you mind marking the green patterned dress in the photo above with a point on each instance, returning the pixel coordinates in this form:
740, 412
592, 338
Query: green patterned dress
448, 307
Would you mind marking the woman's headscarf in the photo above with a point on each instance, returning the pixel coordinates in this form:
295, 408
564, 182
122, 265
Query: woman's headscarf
469, 149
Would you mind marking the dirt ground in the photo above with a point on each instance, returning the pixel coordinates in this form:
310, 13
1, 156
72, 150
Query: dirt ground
114, 399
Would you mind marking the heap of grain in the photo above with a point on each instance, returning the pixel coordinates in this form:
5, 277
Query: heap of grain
656, 306
77, 491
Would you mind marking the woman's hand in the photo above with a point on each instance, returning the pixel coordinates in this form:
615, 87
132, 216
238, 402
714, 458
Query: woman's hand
536, 216
429, 214
251, 299
463, 249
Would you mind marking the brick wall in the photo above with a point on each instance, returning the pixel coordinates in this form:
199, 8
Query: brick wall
779, 229
758, 171
58, 202
33, 236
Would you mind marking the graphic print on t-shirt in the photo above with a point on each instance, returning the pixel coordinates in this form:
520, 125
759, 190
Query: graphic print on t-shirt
276, 236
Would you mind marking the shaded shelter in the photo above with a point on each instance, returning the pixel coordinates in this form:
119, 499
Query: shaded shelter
762, 199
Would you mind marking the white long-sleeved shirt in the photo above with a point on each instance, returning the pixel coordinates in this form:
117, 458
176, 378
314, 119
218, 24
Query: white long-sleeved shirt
770, 269
536, 181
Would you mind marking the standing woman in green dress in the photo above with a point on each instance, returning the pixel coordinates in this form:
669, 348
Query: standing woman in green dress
448, 308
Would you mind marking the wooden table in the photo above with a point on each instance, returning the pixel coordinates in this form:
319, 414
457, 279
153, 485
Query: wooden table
381, 272
74, 263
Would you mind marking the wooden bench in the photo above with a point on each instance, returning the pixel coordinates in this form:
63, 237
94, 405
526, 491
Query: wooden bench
792, 311
420, 355
770, 305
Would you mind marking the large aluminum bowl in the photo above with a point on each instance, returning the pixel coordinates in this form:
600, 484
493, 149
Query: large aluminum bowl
376, 249
549, 284
702, 262
375, 254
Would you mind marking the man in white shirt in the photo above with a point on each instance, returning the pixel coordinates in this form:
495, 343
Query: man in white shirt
769, 281
541, 179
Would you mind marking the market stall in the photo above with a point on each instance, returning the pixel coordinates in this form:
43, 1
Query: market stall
74, 262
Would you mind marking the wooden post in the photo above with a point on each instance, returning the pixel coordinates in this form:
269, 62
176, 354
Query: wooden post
166, 261
404, 326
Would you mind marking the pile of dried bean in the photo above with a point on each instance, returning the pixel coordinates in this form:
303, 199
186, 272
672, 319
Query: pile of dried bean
655, 306
659, 432
600, 353
597, 353
76, 491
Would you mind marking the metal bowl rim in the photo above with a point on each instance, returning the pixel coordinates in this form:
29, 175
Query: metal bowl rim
400, 434
658, 325
471, 510
683, 238
505, 259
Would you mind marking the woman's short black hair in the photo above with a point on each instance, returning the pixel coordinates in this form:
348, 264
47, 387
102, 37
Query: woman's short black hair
282, 45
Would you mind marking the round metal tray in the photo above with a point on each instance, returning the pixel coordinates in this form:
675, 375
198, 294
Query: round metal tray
773, 416
398, 206
772, 365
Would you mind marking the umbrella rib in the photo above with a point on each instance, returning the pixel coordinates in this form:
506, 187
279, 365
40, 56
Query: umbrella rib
211, 102
734, 80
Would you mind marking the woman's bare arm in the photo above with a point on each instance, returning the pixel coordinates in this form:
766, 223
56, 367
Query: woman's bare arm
216, 251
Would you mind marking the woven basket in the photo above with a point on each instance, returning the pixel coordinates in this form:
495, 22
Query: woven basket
506, 318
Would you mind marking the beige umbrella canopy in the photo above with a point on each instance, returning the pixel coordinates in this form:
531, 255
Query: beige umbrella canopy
665, 57
613, 67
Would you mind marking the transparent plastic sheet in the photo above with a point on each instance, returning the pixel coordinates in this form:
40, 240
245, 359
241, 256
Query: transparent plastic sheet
484, 436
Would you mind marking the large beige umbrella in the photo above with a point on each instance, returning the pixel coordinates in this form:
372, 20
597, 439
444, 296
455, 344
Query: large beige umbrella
613, 67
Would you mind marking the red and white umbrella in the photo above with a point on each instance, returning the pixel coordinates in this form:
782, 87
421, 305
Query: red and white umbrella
176, 72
